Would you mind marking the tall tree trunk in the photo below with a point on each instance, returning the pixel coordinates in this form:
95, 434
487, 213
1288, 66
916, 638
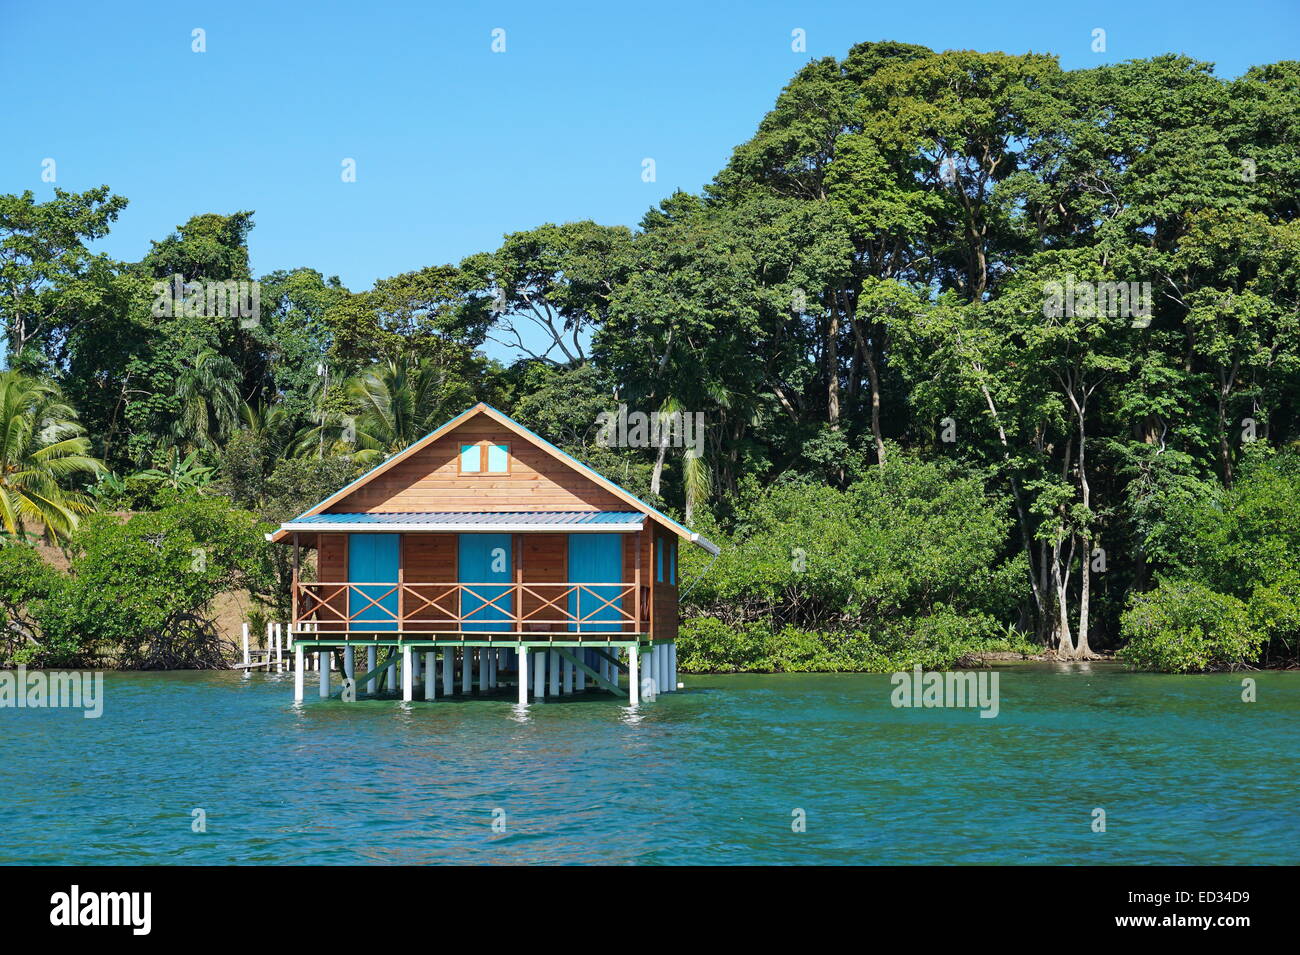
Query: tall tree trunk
1039, 600
1064, 643
833, 368
1080, 403
867, 347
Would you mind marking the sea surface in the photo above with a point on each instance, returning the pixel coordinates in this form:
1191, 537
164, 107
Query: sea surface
787, 769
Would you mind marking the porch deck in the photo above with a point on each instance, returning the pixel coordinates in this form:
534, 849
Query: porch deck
489, 613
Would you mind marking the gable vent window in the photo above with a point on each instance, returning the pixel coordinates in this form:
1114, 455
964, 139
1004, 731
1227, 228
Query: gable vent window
484, 458
469, 459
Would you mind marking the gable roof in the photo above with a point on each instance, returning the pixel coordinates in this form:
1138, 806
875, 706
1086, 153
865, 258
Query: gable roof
537, 440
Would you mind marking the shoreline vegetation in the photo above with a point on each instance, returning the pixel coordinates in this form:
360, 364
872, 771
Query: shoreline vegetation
990, 358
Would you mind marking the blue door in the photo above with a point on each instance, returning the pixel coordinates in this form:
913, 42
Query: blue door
485, 559
372, 560
596, 559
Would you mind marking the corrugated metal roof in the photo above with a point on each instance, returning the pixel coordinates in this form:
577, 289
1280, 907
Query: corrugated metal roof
455, 519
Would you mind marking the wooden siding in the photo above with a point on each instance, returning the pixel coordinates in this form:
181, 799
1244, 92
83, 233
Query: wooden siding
543, 559
428, 559
430, 480
663, 594
332, 567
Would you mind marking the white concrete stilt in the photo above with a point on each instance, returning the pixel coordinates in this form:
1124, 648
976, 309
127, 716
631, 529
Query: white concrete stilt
430, 671
523, 676
539, 673
408, 677
579, 675
350, 662
482, 671
247, 658
633, 677
672, 665
566, 669
415, 667
661, 650
371, 662
466, 669
279, 651
494, 660
448, 671
324, 675
553, 674
298, 679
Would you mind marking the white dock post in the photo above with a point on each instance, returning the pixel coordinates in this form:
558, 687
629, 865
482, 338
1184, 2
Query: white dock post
430, 671
246, 657
567, 671
580, 675
633, 676
298, 678
661, 668
324, 675
553, 668
394, 673
494, 658
448, 670
407, 676
523, 676
350, 663
371, 662
483, 670
279, 655
466, 669
539, 674
672, 665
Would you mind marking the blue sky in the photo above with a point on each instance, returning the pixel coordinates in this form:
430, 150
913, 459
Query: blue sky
456, 145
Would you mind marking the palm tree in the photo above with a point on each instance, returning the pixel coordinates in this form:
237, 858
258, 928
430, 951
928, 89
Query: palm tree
41, 446
208, 389
267, 423
394, 405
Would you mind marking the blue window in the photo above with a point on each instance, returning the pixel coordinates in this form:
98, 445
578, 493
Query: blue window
659, 559
469, 459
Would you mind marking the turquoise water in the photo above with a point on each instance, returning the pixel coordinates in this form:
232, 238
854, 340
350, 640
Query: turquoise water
1186, 772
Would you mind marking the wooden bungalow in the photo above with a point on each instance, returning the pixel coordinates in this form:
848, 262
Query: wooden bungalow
481, 556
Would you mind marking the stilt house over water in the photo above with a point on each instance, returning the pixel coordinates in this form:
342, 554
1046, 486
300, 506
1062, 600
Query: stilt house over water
484, 556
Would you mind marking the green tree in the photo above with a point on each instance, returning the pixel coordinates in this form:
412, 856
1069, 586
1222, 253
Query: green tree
42, 449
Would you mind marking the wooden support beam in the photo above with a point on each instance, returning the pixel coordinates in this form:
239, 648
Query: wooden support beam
610, 657
391, 659
600, 680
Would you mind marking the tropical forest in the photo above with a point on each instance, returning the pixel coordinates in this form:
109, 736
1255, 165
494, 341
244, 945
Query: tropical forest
993, 359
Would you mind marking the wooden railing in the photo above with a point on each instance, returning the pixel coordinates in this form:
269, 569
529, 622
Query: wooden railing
495, 608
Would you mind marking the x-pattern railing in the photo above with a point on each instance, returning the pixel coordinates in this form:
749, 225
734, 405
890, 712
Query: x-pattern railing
599, 605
